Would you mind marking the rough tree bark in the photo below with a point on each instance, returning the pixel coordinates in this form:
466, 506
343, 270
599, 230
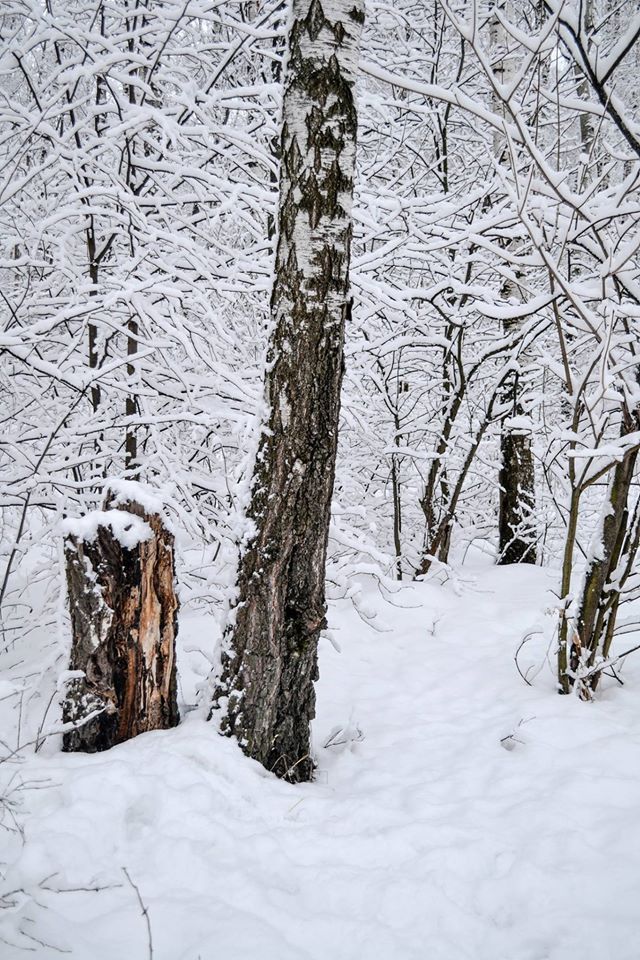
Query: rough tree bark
517, 535
597, 605
122, 598
265, 689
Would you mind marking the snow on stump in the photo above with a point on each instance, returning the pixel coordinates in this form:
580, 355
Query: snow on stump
123, 604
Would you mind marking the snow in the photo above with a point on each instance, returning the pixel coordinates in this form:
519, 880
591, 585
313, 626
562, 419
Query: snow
457, 812
132, 491
127, 529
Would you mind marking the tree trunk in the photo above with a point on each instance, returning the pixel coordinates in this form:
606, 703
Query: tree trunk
599, 597
516, 532
122, 598
517, 498
265, 689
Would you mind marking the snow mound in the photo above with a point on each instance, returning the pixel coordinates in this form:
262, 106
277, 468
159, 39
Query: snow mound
126, 528
127, 491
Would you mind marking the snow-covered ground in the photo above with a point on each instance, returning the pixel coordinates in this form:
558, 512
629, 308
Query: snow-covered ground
459, 814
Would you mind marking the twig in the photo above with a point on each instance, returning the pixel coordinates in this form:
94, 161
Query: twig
614, 676
145, 912
606, 664
97, 888
332, 742
63, 728
43, 943
526, 637
42, 722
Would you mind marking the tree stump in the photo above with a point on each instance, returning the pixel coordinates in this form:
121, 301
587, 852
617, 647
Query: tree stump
122, 598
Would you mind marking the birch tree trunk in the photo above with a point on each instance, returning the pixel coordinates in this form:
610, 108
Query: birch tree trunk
265, 690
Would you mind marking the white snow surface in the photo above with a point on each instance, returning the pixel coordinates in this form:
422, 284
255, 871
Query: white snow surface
124, 491
127, 529
458, 814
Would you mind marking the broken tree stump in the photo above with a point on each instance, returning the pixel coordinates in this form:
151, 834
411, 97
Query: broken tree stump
123, 603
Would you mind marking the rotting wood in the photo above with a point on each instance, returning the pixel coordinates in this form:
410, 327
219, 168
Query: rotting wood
123, 607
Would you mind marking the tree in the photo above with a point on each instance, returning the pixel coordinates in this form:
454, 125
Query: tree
516, 533
265, 689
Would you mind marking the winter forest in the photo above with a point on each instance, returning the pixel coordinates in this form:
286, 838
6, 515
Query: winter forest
320, 479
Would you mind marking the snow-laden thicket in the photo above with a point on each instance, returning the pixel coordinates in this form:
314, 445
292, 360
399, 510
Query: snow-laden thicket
494, 278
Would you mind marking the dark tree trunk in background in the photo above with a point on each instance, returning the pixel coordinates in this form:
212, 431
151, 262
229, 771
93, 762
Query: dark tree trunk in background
517, 498
516, 527
269, 663
123, 614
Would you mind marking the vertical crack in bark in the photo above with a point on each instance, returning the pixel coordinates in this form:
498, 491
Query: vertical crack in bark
124, 623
